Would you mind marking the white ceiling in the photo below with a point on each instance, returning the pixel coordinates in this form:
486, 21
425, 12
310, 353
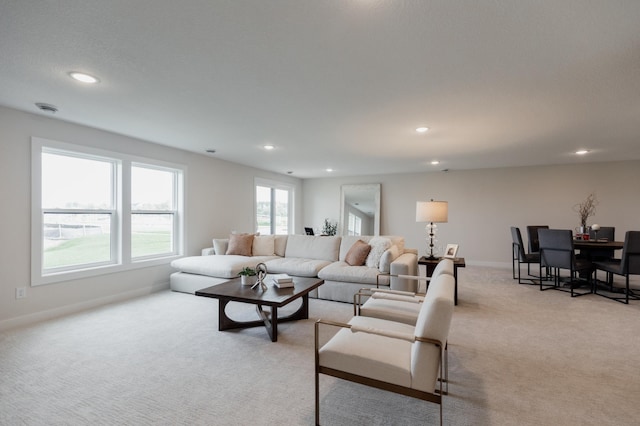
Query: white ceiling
339, 83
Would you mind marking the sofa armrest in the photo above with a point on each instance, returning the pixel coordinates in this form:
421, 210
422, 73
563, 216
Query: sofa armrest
405, 264
208, 251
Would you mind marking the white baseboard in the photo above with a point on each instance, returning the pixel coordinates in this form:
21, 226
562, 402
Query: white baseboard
24, 320
502, 265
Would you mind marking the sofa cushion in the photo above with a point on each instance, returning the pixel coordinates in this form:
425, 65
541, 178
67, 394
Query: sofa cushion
378, 246
342, 271
263, 245
357, 254
240, 244
391, 254
222, 266
280, 245
296, 266
313, 247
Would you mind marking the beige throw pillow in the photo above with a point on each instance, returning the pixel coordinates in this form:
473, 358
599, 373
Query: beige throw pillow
357, 254
240, 244
264, 245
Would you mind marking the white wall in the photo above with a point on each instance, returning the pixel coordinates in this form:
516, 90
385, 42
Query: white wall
483, 204
219, 199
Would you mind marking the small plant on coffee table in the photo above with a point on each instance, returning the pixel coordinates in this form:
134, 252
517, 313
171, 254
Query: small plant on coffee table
250, 272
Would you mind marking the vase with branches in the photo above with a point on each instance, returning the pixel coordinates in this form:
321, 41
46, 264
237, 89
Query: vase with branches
586, 209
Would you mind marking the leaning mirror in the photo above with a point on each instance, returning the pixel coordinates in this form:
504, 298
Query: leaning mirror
360, 209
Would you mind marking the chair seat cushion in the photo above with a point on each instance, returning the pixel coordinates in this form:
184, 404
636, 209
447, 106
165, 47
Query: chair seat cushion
614, 266
382, 324
369, 355
391, 310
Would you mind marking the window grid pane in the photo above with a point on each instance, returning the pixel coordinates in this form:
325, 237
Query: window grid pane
263, 209
151, 234
70, 182
282, 212
72, 239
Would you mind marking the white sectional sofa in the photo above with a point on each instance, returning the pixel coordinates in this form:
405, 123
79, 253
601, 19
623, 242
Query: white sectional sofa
306, 256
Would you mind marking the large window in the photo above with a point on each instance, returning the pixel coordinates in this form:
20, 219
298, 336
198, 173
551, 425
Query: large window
96, 211
78, 210
274, 207
153, 211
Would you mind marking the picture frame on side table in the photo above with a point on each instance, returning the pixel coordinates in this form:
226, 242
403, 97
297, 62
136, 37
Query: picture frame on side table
451, 251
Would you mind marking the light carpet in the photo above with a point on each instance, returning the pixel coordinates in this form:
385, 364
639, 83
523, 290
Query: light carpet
517, 356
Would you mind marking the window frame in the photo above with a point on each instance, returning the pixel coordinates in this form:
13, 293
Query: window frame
121, 259
275, 185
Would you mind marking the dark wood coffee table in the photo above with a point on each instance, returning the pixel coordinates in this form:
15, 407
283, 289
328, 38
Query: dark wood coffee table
274, 297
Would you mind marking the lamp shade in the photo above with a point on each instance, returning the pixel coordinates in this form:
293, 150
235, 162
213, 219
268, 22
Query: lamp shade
432, 211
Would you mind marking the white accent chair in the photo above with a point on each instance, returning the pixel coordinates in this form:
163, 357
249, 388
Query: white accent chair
391, 356
399, 306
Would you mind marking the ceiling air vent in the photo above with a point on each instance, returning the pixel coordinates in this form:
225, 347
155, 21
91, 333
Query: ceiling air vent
51, 109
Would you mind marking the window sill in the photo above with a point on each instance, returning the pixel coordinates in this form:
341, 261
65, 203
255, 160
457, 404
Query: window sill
98, 271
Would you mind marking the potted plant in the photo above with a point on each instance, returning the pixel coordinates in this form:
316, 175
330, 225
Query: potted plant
248, 276
329, 228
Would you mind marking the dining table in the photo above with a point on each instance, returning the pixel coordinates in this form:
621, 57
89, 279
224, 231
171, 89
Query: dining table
589, 245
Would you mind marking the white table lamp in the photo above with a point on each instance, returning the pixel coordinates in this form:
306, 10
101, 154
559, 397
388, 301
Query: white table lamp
432, 212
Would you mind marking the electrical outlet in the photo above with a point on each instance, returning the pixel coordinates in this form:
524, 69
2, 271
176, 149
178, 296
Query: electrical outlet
21, 292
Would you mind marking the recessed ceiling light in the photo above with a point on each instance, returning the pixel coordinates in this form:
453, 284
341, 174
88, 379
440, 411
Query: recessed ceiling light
85, 78
268, 147
582, 152
422, 129
329, 170
435, 162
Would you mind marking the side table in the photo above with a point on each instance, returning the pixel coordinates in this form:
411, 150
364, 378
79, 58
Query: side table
430, 264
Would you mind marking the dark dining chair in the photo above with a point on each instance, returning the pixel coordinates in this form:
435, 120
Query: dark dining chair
605, 232
519, 257
532, 233
557, 253
628, 264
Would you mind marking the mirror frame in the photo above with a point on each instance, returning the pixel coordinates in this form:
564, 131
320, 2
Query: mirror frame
375, 190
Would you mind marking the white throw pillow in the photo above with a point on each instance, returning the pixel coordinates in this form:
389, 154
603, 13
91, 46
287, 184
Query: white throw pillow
220, 245
378, 246
264, 245
387, 257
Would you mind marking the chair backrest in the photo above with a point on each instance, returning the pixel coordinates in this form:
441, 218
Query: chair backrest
608, 232
556, 248
631, 253
445, 266
534, 241
433, 322
516, 238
